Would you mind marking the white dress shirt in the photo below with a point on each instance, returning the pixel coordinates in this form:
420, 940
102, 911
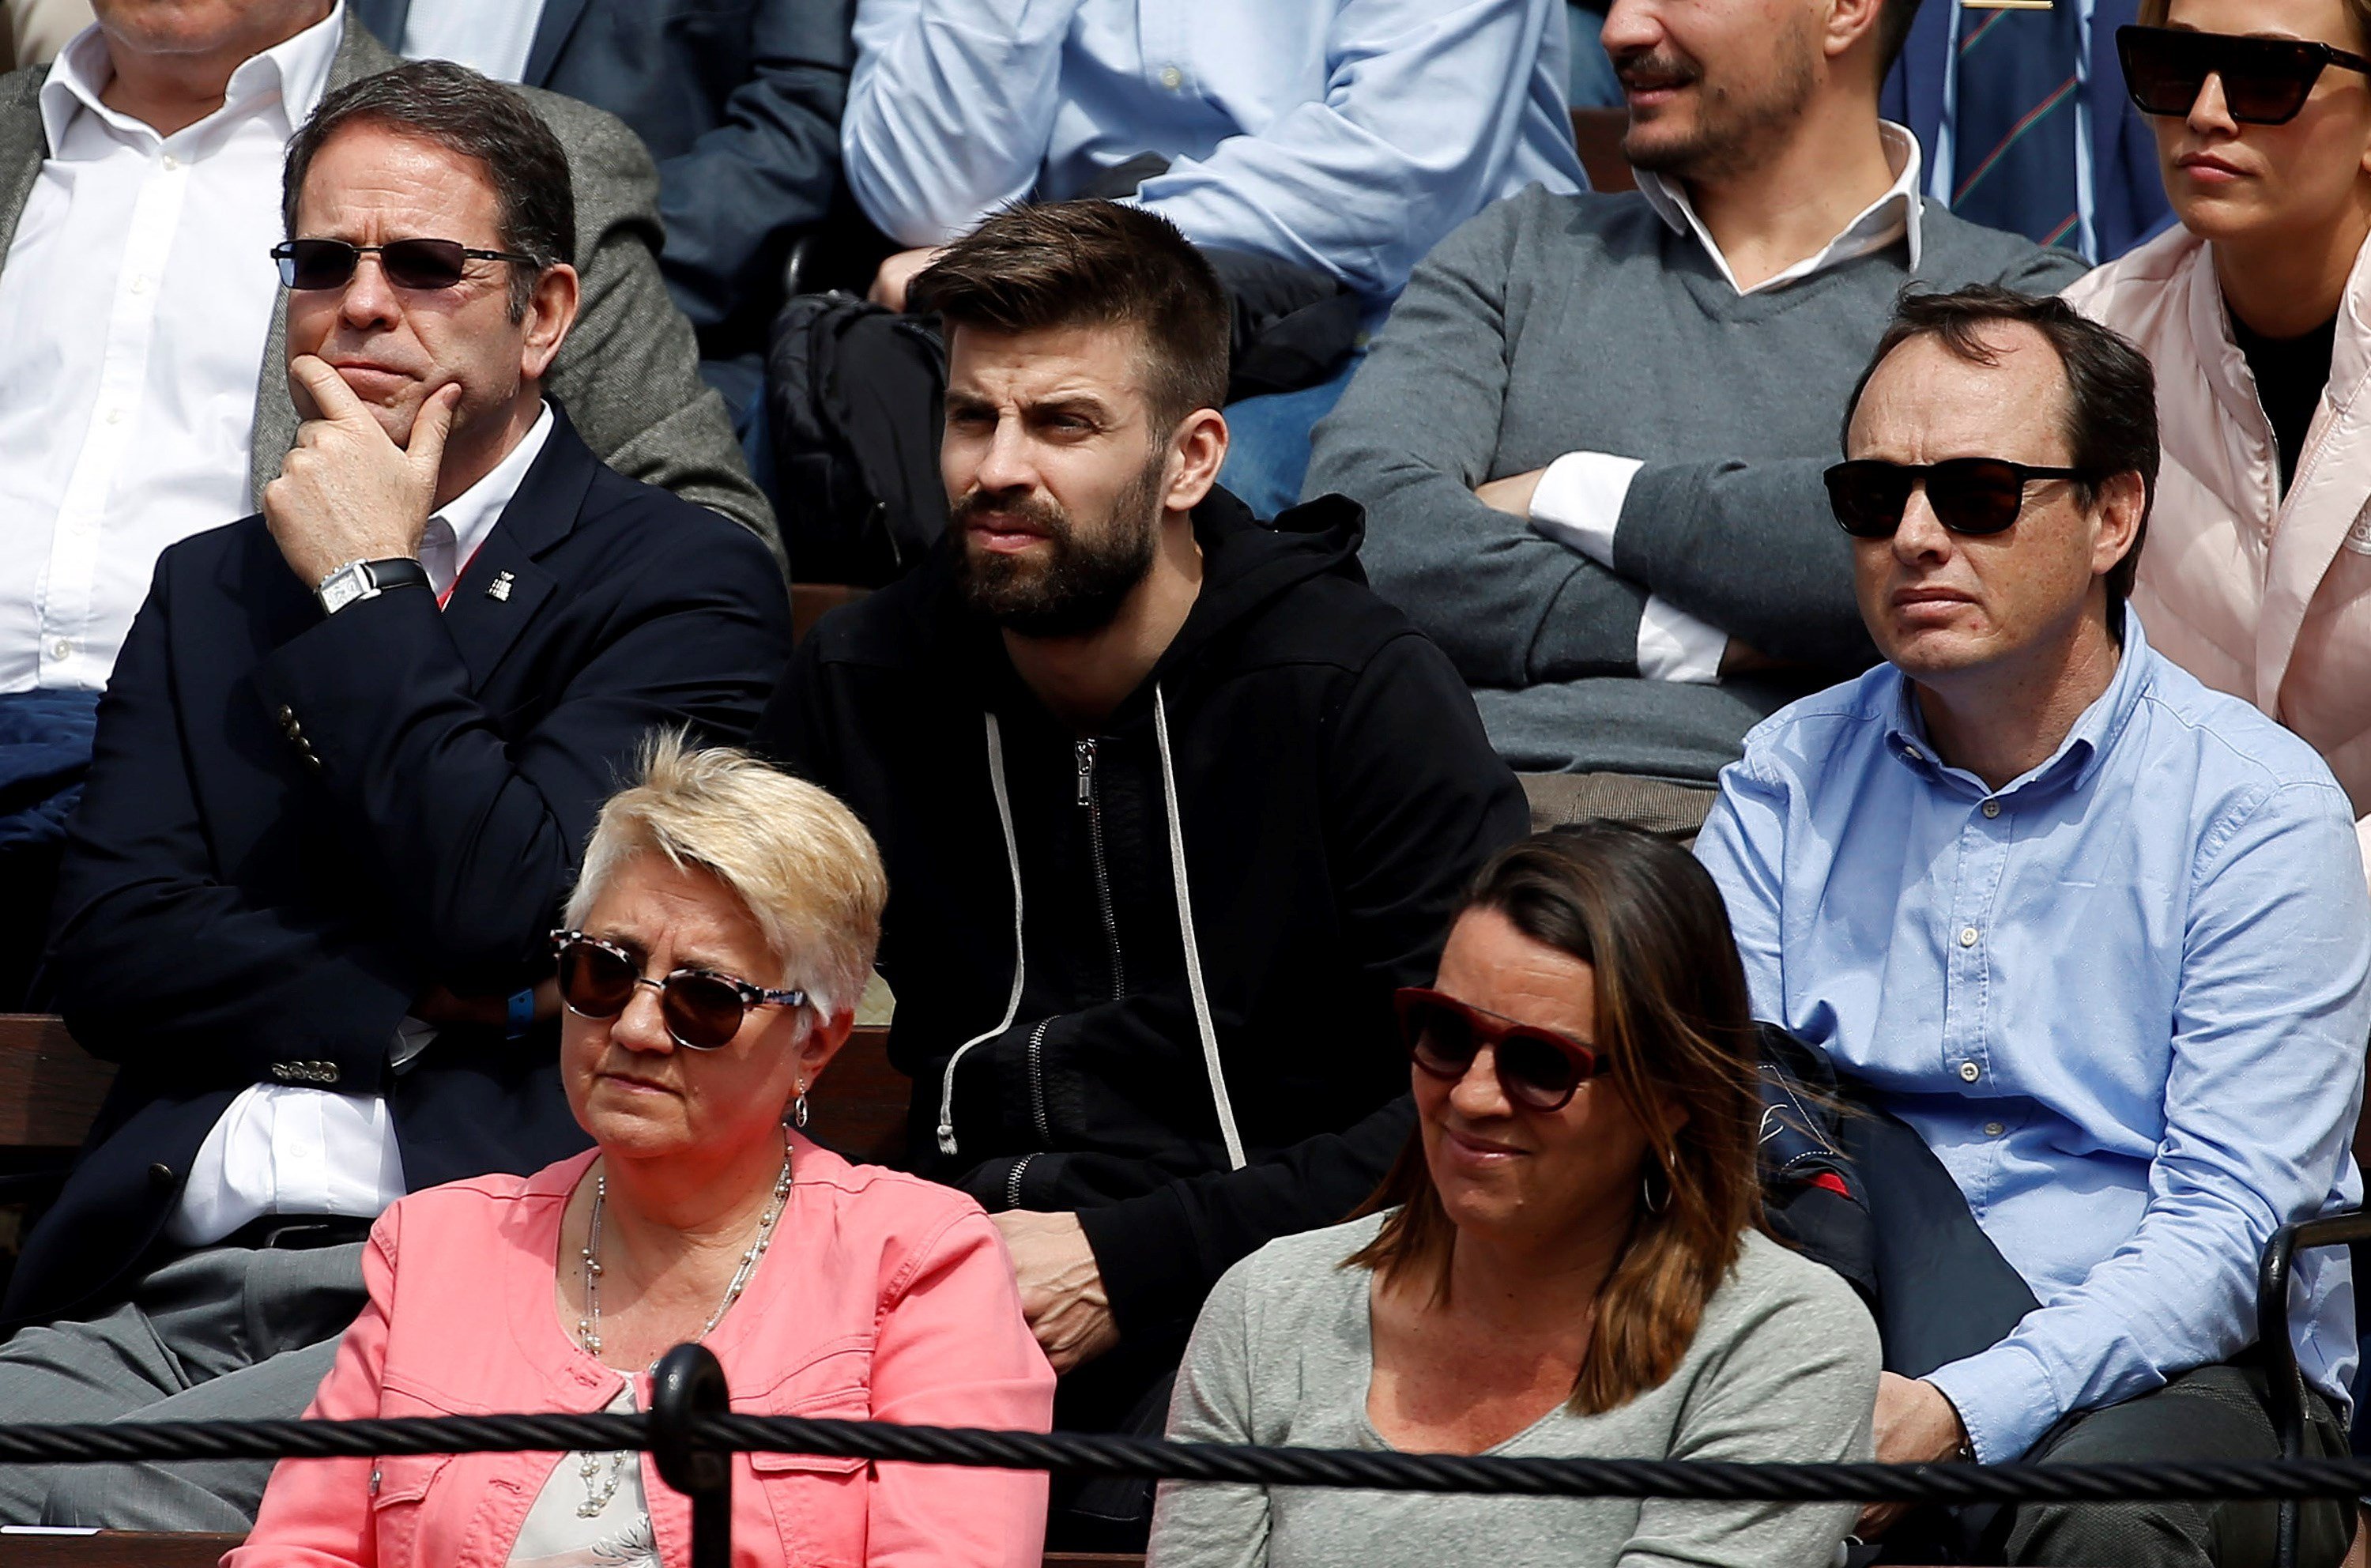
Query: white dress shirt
134, 301
280, 1149
1578, 500
492, 38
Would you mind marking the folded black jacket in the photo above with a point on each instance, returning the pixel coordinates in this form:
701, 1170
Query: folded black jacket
1333, 793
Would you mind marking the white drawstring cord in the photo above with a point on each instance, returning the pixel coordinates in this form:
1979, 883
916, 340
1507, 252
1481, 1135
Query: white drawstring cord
1234, 1139
1011, 1003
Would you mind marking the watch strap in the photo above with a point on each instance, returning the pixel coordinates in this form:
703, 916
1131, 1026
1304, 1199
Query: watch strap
400, 571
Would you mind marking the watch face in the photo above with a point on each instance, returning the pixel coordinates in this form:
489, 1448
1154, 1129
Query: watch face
344, 586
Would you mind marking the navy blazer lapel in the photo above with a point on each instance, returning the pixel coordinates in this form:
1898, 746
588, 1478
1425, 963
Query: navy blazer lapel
502, 586
559, 18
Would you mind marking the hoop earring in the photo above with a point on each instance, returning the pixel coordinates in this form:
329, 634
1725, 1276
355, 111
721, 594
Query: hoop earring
799, 1111
1646, 1192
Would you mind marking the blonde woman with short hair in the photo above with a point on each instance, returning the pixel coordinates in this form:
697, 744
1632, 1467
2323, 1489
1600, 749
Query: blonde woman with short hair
716, 946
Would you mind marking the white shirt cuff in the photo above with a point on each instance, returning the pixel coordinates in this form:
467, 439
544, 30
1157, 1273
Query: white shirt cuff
1675, 646
1579, 501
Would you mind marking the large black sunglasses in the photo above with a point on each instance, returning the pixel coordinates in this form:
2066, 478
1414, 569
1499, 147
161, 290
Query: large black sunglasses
1969, 495
423, 264
2265, 80
1537, 1068
703, 1008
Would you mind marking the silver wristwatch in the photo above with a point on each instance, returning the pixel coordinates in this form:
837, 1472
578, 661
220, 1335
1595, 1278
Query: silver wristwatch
359, 580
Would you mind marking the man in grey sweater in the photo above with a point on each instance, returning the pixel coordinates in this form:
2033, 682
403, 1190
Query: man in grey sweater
1590, 439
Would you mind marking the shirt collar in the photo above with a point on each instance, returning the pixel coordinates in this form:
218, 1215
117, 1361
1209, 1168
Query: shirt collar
473, 513
1895, 216
2078, 756
291, 76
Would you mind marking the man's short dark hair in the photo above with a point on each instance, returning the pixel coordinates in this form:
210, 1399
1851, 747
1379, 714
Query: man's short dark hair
2110, 391
461, 112
1893, 19
1091, 263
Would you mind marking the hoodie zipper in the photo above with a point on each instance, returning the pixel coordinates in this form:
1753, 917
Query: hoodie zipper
1012, 1181
1093, 808
1037, 1080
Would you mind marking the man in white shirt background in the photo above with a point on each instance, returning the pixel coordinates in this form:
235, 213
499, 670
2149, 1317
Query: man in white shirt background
142, 398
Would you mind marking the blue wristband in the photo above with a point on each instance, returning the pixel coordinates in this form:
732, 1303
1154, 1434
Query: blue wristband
521, 1011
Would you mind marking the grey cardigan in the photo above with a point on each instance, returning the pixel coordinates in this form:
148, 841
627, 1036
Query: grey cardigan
629, 374
1784, 1366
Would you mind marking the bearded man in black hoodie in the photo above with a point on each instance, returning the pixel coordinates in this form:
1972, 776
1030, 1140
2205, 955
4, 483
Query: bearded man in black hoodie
1171, 804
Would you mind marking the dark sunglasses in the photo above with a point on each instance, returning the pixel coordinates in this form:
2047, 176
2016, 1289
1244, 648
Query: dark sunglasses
703, 1010
2265, 80
1538, 1069
410, 264
1969, 495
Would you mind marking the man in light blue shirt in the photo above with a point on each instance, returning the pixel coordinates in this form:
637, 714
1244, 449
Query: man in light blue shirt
1344, 136
2099, 935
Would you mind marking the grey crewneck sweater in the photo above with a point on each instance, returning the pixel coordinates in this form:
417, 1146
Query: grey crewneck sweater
1784, 1366
1553, 324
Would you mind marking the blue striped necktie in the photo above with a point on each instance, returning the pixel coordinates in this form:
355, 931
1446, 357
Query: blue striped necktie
2013, 130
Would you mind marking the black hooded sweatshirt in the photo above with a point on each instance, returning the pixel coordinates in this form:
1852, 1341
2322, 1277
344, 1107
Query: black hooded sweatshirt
1334, 794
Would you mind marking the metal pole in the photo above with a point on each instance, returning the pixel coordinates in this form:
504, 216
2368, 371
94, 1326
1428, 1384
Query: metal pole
689, 1384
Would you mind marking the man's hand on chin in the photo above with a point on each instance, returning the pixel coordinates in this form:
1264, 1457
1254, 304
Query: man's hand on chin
1915, 1424
1061, 1289
346, 492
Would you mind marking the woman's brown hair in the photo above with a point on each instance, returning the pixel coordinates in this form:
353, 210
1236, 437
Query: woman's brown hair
2154, 12
1677, 1030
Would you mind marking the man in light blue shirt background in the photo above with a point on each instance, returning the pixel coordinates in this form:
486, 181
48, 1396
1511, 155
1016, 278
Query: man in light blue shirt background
2099, 934
1344, 136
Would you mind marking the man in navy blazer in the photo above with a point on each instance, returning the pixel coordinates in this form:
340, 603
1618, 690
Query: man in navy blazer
739, 102
2126, 201
344, 776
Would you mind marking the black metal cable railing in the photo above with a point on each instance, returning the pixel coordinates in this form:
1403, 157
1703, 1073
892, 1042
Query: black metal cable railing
691, 1435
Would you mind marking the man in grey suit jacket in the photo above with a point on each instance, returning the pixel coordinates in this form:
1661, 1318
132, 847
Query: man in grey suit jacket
629, 376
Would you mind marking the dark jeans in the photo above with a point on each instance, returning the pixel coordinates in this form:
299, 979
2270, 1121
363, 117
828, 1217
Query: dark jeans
2209, 1414
44, 751
1126, 1391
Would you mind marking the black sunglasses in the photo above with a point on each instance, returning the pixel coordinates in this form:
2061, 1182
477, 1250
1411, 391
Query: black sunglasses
1538, 1069
423, 264
703, 1010
2265, 80
1969, 495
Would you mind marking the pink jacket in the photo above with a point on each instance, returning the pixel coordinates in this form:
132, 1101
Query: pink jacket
2264, 596
882, 1296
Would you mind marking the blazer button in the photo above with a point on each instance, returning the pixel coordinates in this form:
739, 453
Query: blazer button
160, 1176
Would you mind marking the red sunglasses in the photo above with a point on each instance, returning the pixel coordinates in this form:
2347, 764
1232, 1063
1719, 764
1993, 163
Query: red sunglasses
1538, 1069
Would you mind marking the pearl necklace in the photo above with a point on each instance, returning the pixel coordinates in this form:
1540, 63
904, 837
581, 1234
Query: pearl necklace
598, 1492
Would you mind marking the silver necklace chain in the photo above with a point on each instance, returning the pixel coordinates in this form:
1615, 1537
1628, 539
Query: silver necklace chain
599, 1489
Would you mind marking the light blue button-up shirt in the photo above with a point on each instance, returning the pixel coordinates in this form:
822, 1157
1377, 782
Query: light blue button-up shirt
2124, 1000
1344, 135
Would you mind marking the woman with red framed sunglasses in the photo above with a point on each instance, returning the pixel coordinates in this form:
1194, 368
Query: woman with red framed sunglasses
2256, 312
1565, 1261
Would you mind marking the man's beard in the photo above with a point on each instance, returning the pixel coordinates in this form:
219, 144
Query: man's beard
1085, 581
1732, 133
